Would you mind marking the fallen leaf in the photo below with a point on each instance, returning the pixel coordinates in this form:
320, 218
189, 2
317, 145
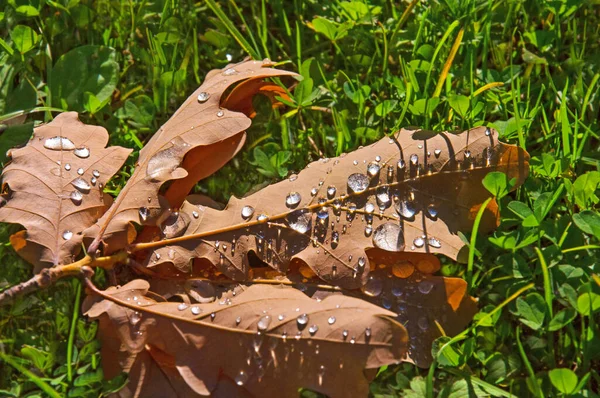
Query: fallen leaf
200, 126
270, 340
53, 188
413, 192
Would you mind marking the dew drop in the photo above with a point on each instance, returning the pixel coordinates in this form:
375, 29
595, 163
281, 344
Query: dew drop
414, 159
144, 213
262, 218
220, 114
182, 306
93, 180
82, 152
425, 286
314, 191
406, 208
195, 310
241, 378
203, 97
383, 197
373, 287
302, 320
195, 214
488, 132
418, 242
229, 72
247, 212
355, 162
432, 211
81, 185
294, 177
80, 171
401, 164
331, 192
352, 340
367, 332
76, 197
437, 153
67, 235
280, 317
238, 320
300, 221
263, 323
345, 333
373, 169
96, 173
313, 329
368, 230
331, 320
67, 167
59, 143
434, 242
357, 183
361, 262
467, 154
136, 317
423, 323
293, 199
212, 316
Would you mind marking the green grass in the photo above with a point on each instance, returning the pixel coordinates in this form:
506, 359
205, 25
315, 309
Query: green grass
531, 69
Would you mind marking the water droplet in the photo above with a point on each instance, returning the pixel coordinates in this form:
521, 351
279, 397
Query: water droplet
229, 72
423, 323
361, 262
203, 97
406, 208
369, 208
144, 213
373, 287
401, 164
182, 306
300, 221
262, 218
357, 183
220, 114
383, 197
414, 159
352, 340
238, 320
345, 333
331, 320
247, 212
314, 191
196, 310
368, 230
313, 329
418, 242
437, 153
434, 242
355, 162
280, 317
81, 185
373, 169
294, 177
96, 173
302, 320
389, 236
241, 378
467, 154
488, 132
67, 235
293, 199
59, 143
425, 286
367, 332
335, 239
331, 191
263, 323
80, 171
195, 214
432, 211
76, 197
323, 215
171, 254
82, 152
136, 317
212, 316
67, 167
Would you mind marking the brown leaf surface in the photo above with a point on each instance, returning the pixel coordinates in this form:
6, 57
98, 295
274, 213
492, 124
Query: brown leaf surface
53, 188
200, 127
268, 340
423, 189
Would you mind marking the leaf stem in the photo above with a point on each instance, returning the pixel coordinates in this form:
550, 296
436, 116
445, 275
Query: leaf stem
45, 387
72, 332
473, 242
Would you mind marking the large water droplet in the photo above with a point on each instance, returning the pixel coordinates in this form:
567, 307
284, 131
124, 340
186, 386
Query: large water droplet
313, 329
82, 152
67, 235
302, 320
59, 143
300, 221
81, 185
144, 213
203, 97
434, 242
76, 197
247, 212
241, 378
425, 286
263, 323
406, 208
369, 208
373, 287
331, 320
418, 242
293, 199
390, 237
383, 197
195, 310
182, 306
373, 169
357, 183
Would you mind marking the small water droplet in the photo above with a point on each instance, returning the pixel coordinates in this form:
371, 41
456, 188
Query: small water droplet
80, 171
203, 97
434, 242
368, 230
437, 153
195, 310
280, 317
67, 235
418, 242
262, 218
488, 132
355, 162
263, 323
67, 167
247, 212
373, 169
220, 114
293, 199
229, 72
467, 154
373, 287
212, 316
331, 191
182, 306
241, 378
414, 159
76, 197
136, 317
367, 332
345, 333
313, 329
432, 211
294, 177
423, 323
195, 214
352, 340
82, 152
331, 320
425, 286
302, 320
59, 143
238, 320
96, 173
357, 183
369, 208
361, 262
81, 185
144, 213
314, 191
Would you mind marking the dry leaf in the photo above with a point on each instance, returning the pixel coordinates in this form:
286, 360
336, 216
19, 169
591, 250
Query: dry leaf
269, 340
53, 188
414, 192
201, 126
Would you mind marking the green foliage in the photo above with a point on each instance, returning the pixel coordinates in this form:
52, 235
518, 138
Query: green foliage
530, 69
